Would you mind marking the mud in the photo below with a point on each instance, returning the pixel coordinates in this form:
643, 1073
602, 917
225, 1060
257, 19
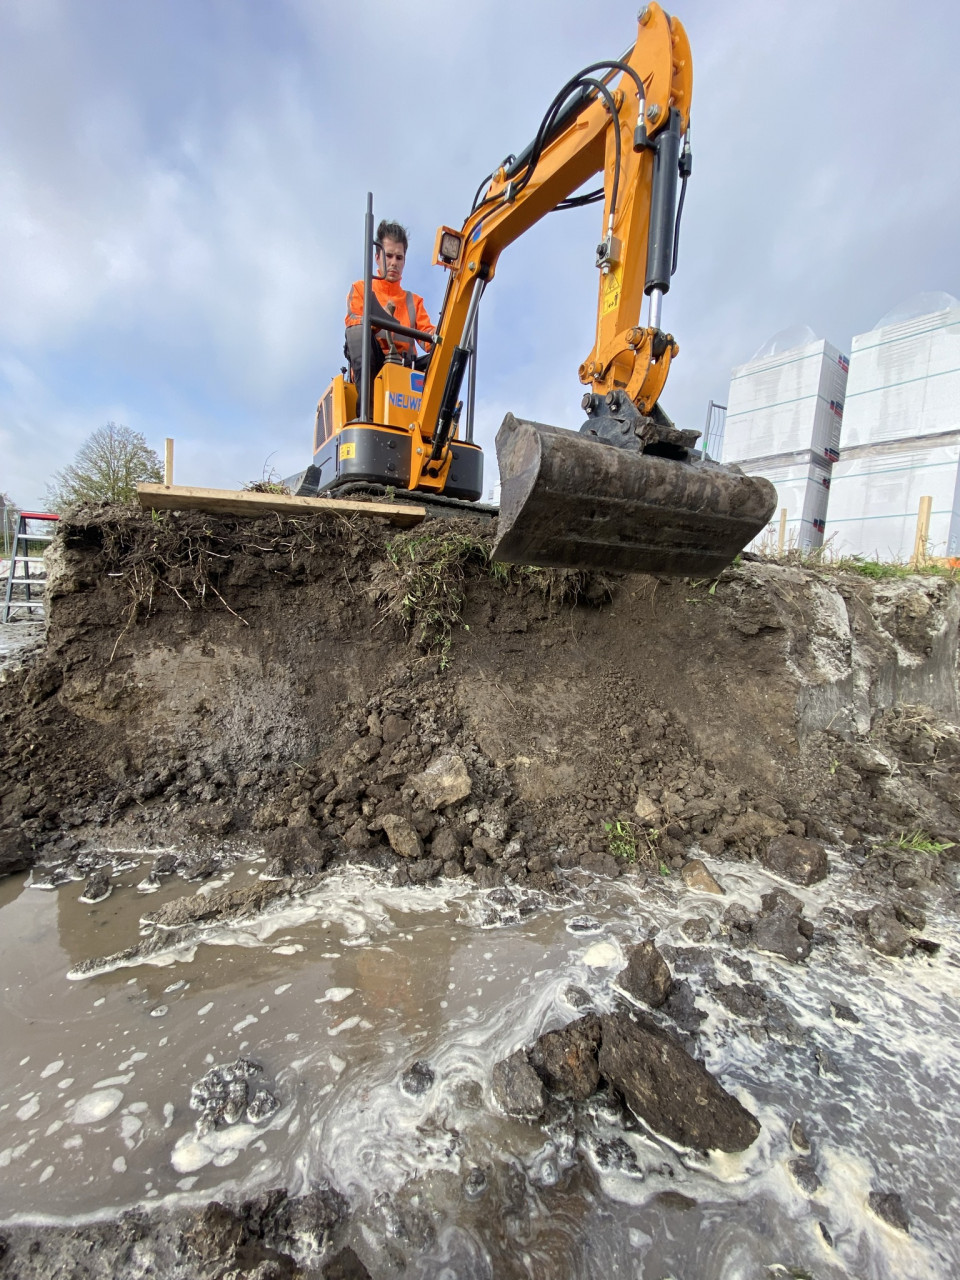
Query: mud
328, 691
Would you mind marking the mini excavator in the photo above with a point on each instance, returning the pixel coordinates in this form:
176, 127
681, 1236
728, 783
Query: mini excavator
629, 491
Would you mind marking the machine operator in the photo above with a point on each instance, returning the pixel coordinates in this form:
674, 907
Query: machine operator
405, 307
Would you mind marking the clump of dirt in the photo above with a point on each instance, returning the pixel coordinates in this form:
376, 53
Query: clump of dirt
295, 685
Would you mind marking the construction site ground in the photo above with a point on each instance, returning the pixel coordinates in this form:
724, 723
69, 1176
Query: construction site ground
330, 690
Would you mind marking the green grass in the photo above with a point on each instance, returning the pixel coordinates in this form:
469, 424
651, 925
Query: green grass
919, 842
628, 842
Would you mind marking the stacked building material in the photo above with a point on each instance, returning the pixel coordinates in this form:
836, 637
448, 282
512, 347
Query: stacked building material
783, 421
901, 439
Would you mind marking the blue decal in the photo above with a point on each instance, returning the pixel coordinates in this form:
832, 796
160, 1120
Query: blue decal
416, 381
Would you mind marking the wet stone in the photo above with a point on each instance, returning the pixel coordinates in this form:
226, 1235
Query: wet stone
888, 1205
805, 1176
517, 1088
667, 1089
97, 887
345, 1265
475, 1184
696, 876
796, 858
584, 924
646, 977
616, 1154
220, 1095
781, 935
842, 1012
417, 1079
885, 933
697, 929
799, 1138
566, 1060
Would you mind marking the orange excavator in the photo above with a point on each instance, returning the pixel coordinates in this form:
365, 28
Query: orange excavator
629, 491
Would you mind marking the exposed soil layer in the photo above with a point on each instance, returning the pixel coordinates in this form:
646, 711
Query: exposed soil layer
298, 683
329, 689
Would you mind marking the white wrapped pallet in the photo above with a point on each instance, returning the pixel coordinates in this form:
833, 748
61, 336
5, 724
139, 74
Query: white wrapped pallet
787, 402
784, 414
901, 440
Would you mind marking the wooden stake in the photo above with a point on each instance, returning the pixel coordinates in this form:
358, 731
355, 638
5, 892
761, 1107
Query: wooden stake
923, 533
782, 537
168, 462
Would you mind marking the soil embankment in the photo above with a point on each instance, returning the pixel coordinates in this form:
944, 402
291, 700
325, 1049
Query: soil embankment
332, 687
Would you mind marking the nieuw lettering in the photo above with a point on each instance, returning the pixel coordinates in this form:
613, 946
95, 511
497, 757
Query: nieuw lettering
401, 400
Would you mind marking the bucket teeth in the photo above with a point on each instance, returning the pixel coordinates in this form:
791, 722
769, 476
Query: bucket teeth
570, 502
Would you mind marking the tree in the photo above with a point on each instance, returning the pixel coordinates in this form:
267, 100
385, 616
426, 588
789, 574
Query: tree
107, 468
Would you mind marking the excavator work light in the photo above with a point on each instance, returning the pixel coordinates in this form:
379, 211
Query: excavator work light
446, 251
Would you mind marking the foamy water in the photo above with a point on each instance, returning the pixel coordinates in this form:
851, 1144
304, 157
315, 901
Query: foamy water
336, 995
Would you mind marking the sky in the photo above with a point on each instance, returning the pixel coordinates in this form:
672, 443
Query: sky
183, 184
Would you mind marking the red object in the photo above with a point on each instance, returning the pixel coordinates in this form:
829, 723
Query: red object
38, 515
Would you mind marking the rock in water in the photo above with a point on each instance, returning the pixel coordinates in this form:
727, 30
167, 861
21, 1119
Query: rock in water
646, 976
696, 876
418, 1078
566, 1061
888, 1205
797, 859
668, 1090
517, 1087
97, 887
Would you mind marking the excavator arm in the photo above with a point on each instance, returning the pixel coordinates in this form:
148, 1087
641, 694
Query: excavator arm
629, 491
624, 119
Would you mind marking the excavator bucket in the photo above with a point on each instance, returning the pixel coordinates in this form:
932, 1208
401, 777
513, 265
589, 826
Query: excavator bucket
572, 502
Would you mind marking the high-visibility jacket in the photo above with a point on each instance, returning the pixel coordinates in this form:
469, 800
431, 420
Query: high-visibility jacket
407, 308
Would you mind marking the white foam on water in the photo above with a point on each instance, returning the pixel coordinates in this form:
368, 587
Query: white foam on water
47, 1173
29, 1108
202, 1013
284, 986
96, 1106
51, 1069
346, 1025
334, 995
119, 1165
248, 1021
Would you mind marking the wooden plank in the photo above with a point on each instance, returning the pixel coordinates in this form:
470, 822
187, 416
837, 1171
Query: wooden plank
181, 497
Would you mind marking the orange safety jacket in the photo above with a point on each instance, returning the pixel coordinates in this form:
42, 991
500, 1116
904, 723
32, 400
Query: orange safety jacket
407, 308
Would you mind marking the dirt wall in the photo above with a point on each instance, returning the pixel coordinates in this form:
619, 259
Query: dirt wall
214, 679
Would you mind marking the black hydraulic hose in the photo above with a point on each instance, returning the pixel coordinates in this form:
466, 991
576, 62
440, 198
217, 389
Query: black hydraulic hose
676, 225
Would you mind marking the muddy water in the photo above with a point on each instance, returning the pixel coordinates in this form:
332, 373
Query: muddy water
338, 995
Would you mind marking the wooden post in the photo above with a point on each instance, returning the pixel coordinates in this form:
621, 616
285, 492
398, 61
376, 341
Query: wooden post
168, 463
923, 533
782, 536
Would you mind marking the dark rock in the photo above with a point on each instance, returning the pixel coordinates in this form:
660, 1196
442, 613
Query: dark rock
696, 876
517, 1087
617, 1154
738, 917
16, 853
780, 903
309, 1219
697, 929
797, 859
889, 1206
680, 1005
744, 1002
345, 1265
418, 1078
475, 1184
577, 997
885, 933
601, 864
445, 844
842, 1012
646, 977
668, 1090
424, 870
781, 935
97, 887
799, 1138
824, 1231
805, 1176
566, 1060
395, 728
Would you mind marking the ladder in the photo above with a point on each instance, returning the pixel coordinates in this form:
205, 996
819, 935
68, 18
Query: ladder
32, 576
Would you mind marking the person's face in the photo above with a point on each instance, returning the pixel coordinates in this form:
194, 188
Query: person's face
391, 259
